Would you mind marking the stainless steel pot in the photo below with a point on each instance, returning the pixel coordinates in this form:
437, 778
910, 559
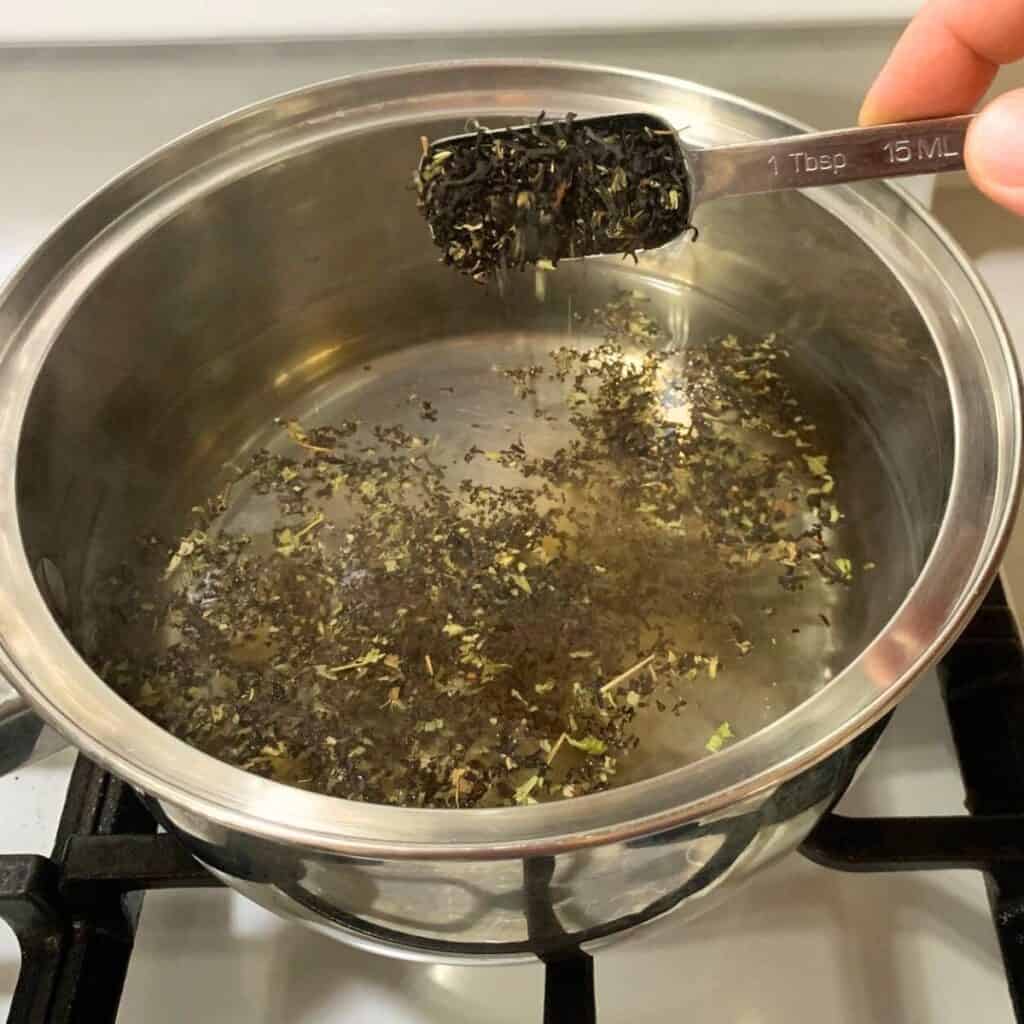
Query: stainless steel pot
247, 264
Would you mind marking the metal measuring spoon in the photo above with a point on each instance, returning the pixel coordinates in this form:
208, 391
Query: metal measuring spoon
827, 158
478, 214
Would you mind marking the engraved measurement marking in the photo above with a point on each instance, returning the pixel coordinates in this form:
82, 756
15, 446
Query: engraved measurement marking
903, 151
900, 151
810, 163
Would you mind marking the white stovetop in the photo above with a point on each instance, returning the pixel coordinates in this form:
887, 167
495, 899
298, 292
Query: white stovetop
800, 944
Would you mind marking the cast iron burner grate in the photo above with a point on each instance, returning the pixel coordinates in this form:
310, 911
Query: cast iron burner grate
75, 912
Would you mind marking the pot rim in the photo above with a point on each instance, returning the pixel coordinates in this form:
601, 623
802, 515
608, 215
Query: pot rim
38, 659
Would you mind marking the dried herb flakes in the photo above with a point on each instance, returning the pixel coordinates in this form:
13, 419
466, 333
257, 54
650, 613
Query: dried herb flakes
551, 190
410, 634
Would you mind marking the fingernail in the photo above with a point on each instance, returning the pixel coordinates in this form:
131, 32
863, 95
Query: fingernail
869, 113
864, 117
995, 144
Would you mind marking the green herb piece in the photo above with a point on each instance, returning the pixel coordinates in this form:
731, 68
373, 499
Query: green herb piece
817, 464
522, 793
718, 738
589, 745
196, 539
523, 584
371, 657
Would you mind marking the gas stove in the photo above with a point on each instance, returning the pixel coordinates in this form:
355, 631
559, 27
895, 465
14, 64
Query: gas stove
900, 909
921, 925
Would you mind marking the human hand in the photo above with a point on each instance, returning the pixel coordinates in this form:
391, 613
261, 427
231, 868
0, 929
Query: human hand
942, 65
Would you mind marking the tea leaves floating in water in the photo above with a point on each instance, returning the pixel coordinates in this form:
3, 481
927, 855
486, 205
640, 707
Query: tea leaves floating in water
551, 190
488, 634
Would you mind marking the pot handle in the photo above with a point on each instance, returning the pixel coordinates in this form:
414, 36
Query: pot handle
24, 737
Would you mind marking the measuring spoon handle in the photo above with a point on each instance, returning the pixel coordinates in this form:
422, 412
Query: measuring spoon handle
830, 158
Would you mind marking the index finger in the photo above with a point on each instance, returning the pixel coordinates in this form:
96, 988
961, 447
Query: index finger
946, 59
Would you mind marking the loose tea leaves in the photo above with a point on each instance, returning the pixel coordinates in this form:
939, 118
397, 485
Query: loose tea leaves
551, 190
470, 627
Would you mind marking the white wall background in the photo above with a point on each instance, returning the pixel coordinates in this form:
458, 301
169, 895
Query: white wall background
127, 21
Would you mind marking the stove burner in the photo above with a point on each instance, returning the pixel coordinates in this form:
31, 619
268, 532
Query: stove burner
75, 913
983, 685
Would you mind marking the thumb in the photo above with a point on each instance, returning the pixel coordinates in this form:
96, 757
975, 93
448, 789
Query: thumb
995, 151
